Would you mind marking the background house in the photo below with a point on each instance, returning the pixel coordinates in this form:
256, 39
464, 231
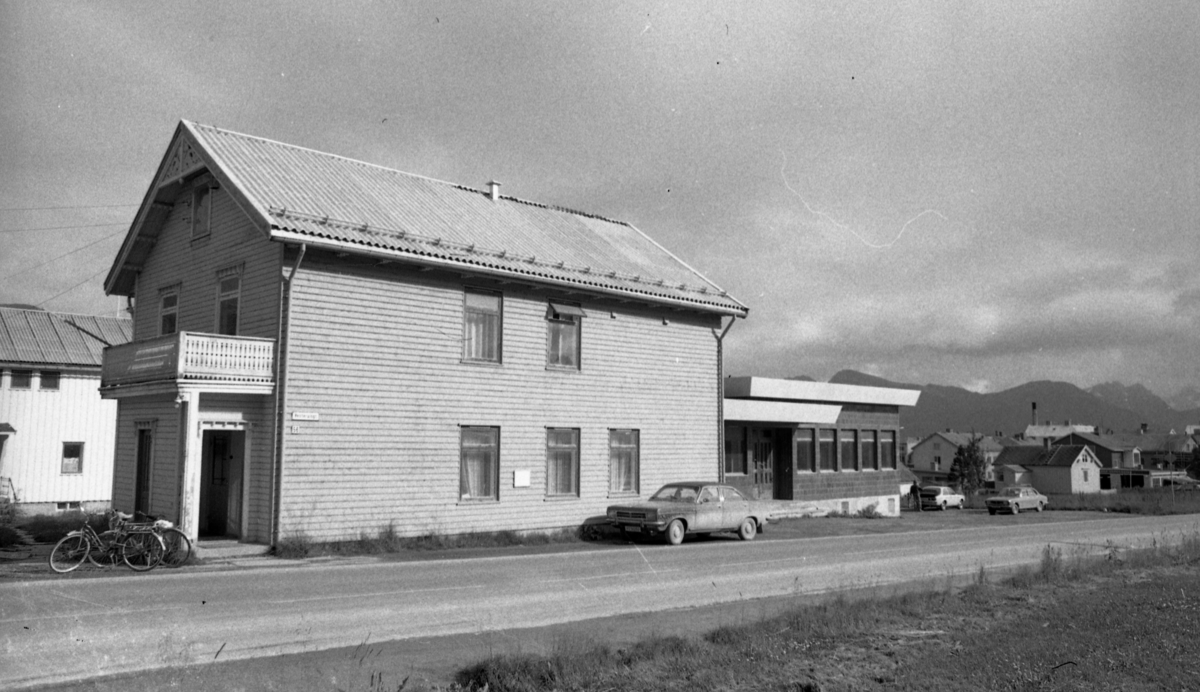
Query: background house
324, 347
1138, 460
932, 457
1063, 469
56, 433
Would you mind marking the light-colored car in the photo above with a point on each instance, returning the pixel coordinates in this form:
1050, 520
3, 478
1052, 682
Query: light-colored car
1015, 499
691, 507
941, 497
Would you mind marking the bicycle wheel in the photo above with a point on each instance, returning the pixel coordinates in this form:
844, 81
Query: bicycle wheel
69, 553
108, 553
178, 548
142, 551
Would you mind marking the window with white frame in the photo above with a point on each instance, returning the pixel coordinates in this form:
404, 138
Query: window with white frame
72, 457
562, 461
49, 380
202, 197
564, 323
483, 326
168, 310
479, 458
623, 461
229, 294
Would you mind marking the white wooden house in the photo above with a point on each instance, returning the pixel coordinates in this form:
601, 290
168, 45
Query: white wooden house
327, 347
56, 433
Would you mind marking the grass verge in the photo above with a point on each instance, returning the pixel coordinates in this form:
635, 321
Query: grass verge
386, 540
1072, 622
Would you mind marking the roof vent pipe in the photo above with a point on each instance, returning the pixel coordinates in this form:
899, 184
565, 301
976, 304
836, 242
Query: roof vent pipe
494, 190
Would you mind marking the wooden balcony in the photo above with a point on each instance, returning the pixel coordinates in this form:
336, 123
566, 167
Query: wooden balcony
208, 361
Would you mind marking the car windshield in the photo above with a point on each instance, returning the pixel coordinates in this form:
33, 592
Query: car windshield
676, 493
1011, 492
931, 491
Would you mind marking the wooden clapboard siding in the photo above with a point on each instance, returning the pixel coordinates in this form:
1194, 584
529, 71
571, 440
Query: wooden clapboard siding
254, 414
376, 352
44, 420
193, 264
165, 463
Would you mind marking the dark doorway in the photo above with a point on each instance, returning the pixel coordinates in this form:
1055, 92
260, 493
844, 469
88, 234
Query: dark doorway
221, 483
141, 482
762, 462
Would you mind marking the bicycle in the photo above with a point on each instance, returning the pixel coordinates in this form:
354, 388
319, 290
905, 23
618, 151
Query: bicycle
141, 549
177, 546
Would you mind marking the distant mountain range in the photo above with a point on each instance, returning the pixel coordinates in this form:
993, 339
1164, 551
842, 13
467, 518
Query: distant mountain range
1109, 406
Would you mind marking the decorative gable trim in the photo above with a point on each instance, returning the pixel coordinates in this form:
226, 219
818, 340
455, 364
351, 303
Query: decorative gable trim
181, 162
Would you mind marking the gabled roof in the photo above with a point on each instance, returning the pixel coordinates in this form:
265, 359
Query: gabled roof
1064, 455
299, 195
36, 337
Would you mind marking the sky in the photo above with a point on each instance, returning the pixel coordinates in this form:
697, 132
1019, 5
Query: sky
970, 194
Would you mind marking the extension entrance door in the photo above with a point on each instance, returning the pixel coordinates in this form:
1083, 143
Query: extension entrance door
222, 461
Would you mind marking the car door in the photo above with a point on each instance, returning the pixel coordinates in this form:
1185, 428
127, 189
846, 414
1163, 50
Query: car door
708, 510
735, 508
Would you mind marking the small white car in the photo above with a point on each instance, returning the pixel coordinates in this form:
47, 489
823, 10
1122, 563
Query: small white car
941, 497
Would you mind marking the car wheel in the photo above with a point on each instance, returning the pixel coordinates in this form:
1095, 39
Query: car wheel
747, 530
675, 532
943, 505
1016, 508
1039, 507
991, 511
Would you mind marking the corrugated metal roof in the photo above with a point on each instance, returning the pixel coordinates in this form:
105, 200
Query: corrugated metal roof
36, 337
303, 194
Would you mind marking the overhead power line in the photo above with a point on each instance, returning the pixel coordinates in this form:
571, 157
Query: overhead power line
77, 206
54, 259
59, 228
43, 303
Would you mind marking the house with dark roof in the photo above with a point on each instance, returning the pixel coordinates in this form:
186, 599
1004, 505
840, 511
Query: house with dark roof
1138, 460
324, 348
56, 433
1061, 470
932, 457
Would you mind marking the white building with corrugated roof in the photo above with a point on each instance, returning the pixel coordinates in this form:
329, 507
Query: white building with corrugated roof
325, 348
56, 433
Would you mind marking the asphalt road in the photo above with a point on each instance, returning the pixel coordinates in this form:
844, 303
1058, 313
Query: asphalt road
68, 629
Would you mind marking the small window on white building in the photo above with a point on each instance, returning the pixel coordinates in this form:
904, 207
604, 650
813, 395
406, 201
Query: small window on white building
72, 457
483, 326
21, 379
479, 459
623, 453
562, 461
564, 323
49, 380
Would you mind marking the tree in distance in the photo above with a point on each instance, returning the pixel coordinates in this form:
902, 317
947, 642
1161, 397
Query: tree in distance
968, 468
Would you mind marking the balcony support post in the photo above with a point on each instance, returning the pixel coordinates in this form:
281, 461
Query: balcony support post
190, 457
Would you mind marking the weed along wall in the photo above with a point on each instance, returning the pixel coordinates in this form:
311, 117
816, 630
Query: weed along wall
829, 445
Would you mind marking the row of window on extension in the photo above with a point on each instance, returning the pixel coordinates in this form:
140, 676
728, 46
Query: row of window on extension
480, 463
47, 380
824, 449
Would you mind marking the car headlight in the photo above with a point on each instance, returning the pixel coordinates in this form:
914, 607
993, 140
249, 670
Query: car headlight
612, 513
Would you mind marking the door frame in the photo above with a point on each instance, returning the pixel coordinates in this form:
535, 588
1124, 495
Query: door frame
217, 425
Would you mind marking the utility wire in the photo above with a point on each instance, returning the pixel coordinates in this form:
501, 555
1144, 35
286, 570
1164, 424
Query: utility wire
43, 303
78, 206
54, 259
58, 228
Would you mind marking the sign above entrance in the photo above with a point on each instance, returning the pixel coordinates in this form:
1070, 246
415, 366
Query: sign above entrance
305, 415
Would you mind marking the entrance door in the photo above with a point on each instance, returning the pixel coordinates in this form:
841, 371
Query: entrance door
762, 462
221, 483
141, 483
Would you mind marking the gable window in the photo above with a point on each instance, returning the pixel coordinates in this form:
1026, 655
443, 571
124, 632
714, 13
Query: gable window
848, 451
735, 450
887, 449
168, 310
867, 451
806, 456
479, 459
21, 379
562, 461
229, 293
623, 466
827, 450
1085, 475
201, 211
49, 380
72, 457
483, 326
563, 325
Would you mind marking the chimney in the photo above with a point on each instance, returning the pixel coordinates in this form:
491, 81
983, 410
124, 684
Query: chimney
494, 190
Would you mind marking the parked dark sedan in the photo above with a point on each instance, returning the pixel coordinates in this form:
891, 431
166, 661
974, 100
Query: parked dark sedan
696, 507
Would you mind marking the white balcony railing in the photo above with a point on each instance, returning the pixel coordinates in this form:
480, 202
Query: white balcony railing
190, 356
